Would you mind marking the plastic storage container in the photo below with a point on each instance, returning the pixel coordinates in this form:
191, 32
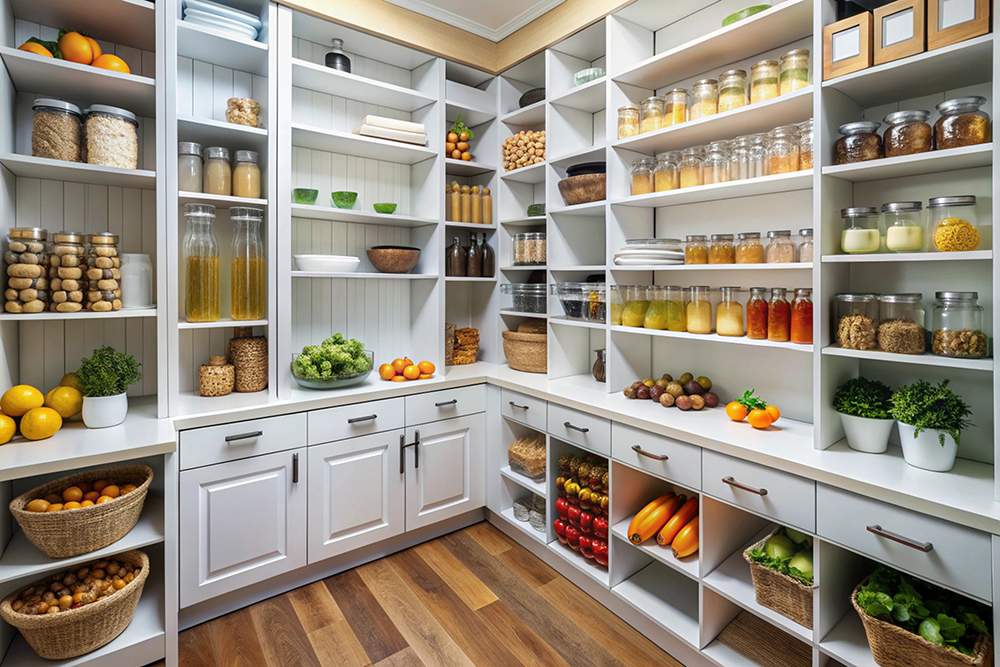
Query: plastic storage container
642, 176
958, 325
26, 257
794, 70
721, 250
861, 233
56, 130
732, 90
780, 247
201, 257
758, 156
907, 133
628, 121
189, 174
696, 249
248, 266
651, 114
583, 301
699, 310
962, 123
764, 81
704, 99
806, 247
525, 297
952, 223
729, 313
904, 228
859, 142
739, 158
112, 137
104, 290
529, 249
901, 324
749, 250
855, 321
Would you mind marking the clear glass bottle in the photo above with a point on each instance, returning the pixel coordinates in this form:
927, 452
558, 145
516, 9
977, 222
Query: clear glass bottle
715, 167
704, 99
651, 114
676, 111
952, 223
806, 247
749, 250
657, 313
677, 298
628, 121
855, 321
757, 314
780, 247
699, 310
904, 229
806, 144
729, 313
189, 177
783, 149
103, 273
907, 133
861, 233
336, 59
901, 324
859, 142
764, 81
732, 90
218, 174
794, 70
636, 305
201, 259
690, 167
779, 317
722, 250
696, 249
801, 330
248, 266
642, 176
962, 123
667, 175
246, 175
757, 159
958, 325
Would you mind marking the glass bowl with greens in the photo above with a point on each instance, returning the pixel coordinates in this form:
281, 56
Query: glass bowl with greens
333, 364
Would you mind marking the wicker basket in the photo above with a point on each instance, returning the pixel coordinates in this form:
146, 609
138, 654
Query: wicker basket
216, 380
526, 352
248, 355
81, 531
584, 188
779, 592
78, 631
449, 344
893, 646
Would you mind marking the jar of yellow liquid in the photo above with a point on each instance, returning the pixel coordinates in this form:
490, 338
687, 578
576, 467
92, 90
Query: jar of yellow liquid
699, 311
248, 267
729, 314
201, 257
656, 314
636, 305
616, 304
676, 308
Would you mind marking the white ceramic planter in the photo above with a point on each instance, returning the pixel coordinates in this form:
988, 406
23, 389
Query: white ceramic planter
104, 411
925, 451
865, 434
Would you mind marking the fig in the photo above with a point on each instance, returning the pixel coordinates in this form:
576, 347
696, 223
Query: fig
630, 392
648, 382
705, 383
655, 392
675, 389
692, 388
697, 402
711, 400
684, 402
642, 393
684, 379
667, 400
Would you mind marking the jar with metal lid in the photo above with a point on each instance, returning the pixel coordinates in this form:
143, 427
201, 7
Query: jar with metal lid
904, 229
861, 234
779, 316
704, 99
749, 250
738, 162
806, 144
952, 223
907, 132
667, 175
901, 324
696, 249
732, 90
636, 305
56, 130
67, 264
859, 142
764, 81
651, 114
958, 325
722, 250
801, 330
642, 176
780, 247
962, 123
529, 249
246, 175
855, 321
201, 260
794, 70
806, 247
26, 258
218, 174
757, 159
715, 167
112, 137
677, 298
690, 167
189, 176
248, 266
729, 313
628, 121
757, 314
699, 310
783, 149
676, 110
104, 291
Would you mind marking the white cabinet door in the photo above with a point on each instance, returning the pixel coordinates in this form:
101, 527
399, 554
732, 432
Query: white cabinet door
241, 522
356, 491
446, 470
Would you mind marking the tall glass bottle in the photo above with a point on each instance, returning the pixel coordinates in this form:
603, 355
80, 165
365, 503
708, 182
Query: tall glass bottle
489, 259
336, 59
474, 260
201, 257
455, 259
248, 268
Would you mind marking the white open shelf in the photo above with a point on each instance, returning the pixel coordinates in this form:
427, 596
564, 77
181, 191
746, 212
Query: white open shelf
525, 222
789, 266
454, 167
713, 338
347, 143
127, 22
533, 173
688, 566
48, 316
219, 48
848, 643
470, 225
672, 608
517, 313
27, 166
220, 201
881, 257
926, 359
538, 488
932, 162
471, 116
363, 217
589, 97
358, 88
580, 562
583, 324
751, 187
209, 132
221, 323
533, 114
380, 276
470, 279
594, 208
523, 526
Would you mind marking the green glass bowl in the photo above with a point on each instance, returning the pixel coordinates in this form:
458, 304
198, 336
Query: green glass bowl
305, 196
385, 209
344, 199
744, 14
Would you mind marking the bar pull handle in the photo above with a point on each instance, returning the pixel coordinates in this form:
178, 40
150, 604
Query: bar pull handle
244, 436
639, 450
732, 482
402, 451
519, 407
358, 420
444, 404
295, 468
926, 547
581, 429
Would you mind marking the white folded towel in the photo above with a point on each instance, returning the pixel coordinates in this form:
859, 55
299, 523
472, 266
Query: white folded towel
393, 124
392, 135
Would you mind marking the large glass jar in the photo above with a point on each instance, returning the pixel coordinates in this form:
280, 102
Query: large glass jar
732, 90
722, 250
667, 175
201, 260
248, 272
104, 274
699, 310
651, 114
794, 70
189, 176
952, 223
904, 230
802, 316
779, 317
691, 159
729, 313
112, 137
642, 175
68, 255
907, 132
780, 247
636, 305
962, 123
758, 157
806, 247
855, 321
764, 81
26, 257
529, 249
757, 314
676, 108
859, 142
696, 249
56, 130
901, 324
246, 175
531, 298
657, 315
704, 99
783, 149
715, 167
749, 250
958, 325
677, 298
218, 174
616, 303
806, 144
739, 159
861, 230
628, 121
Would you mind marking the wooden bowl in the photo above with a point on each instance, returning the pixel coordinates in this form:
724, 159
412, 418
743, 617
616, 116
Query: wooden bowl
393, 258
584, 188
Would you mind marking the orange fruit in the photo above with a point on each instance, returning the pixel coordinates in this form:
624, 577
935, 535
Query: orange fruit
425, 376
411, 372
92, 496
759, 418
386, 371
104, 499
399, 378
94, 46
72, 506
113, 63
54, 498
399, 364
55, 507
100, 484
87, 503
37, 49
736, 411
73, 494
128, 488
426, 368
86, 488
407, 361
37, 505
111, 491
774, 412
76, 49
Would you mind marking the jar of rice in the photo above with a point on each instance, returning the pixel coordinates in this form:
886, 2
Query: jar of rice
112, 138
56, 129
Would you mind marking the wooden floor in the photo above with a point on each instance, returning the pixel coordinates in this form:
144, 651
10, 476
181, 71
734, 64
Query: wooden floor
473, 597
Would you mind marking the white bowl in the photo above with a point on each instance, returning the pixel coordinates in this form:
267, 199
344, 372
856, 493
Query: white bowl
327, 263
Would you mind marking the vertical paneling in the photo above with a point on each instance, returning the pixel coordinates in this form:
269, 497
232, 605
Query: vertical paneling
374, 181
366, 67
203, 89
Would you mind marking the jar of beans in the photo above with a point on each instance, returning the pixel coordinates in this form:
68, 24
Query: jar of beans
962, 123
104, 275
859, 142
27, 287
908, 132
66, 266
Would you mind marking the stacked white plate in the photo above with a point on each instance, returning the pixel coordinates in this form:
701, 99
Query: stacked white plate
225, 20
654, 253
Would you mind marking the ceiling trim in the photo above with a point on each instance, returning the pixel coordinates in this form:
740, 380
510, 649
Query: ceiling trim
467, 24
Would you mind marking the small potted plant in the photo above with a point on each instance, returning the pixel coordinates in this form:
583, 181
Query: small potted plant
931, 420
864, 407
105, 377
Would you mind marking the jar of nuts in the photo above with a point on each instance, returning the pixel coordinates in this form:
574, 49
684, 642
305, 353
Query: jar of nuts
104, 292
523, 149
66, 265
958, 325
27, 286
56, 130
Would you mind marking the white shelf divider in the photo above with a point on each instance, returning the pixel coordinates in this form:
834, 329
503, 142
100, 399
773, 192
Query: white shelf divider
353, 87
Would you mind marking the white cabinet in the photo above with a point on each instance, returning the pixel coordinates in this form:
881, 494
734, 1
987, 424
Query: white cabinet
240, 523
356, 493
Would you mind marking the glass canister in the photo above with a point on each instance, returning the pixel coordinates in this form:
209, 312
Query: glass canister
757, 308
806, 247
749, 250
738, 162
218, 174
112, 137
904, 229
676, 110
699, 310
704, 99
780, 247
104, 293
861, 233
248, 277
690, 167
642, 176
68, 257
26, 257
677, 298
783, 149
616, 304
529, 249
901, 324
779, 313
952, 223
802, 317
657, 315
246, 175
958, 325
907, 132
764, 81
794, 70
758, 161
189, 176
201, 259
722, 250
962, 123
667, 175
859, 142
696, 249
855, 321
715, 166
651, 114
628, 121
732, 90
636, 305
56, 130
806, 144
729, 313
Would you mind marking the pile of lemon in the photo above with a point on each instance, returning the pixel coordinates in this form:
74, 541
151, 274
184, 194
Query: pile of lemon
41, 416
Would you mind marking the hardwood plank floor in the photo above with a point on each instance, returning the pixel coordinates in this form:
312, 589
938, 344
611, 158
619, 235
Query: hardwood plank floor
474, 597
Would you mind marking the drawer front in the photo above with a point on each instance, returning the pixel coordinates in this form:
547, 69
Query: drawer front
525, 409
788, 499
438, 405
665, 457
587, 431
941, 551
240, 440
351, 421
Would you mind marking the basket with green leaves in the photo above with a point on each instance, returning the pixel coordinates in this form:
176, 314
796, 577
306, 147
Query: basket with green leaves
781, 567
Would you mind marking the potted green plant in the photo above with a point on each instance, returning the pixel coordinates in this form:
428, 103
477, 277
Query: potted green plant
864, 407
931, 420
105, 377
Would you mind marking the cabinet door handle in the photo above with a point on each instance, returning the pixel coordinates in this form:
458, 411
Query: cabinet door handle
656, 457
295, 468
926, 547
416, 449
443, 404
581, 429
402, 454
358, 420
244, 436
402, 451
519, 407
732, 482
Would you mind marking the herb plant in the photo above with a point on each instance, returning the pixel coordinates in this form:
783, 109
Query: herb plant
751, 402
861, 397
334, 357
108, 372
925, 406
459, 127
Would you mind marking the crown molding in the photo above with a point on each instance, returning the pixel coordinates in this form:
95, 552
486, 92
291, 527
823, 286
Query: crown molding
468, 25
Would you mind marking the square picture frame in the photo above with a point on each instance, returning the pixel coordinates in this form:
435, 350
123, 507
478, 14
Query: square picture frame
962, 20
900, 30
847, 46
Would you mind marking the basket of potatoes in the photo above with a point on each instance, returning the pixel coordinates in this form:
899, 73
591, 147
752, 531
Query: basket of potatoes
84, 512
78, 610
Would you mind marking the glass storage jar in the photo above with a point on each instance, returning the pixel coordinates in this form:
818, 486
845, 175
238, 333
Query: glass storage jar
667, 175
527, 297
248, 266
696, 249
201, 258
861, 233
806, 144
529, 249
26, 258
68, 255
749, 250
189, 176
218, 174
722, 250
732, 90
794, 70
616, 304
758, 157
657, 315
246, 175
952, 223
628, 121
677, 298
704, 99
779, 317
636, 304
137, 280
858, 142
583, 301
714, 168
962, 123
56, 130
802, 316
958, 325
757, 314
764, 81
780, 247
806, 247
676, 108
699, 310
907, 132
690, 167
738, 162
104, 290
729, 313
651, 114
904, 230
642, 176
112, 137
901, 324
855, 321
783, 149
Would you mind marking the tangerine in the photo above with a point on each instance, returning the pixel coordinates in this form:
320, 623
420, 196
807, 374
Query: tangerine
426, 368
113, 63
37, 505
75, 48
386, 371
36, 48
55, 507
72, 505
111, 491
100, 484
87, 503
411, 372
425, 376
72, 494
774, 412
104, 499
399, 364
92, 496
759, 418
399, 378
94, 46
736, 411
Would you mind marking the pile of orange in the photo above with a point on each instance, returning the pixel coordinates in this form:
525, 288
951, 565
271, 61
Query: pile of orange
401, 370
80, 495
759, 418
77, 48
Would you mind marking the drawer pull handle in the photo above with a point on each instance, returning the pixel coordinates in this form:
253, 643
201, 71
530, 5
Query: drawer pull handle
519, 407
444, 404
926, 547
295, 468
244, 436
581, 429
358, 420
732, 482
656, 457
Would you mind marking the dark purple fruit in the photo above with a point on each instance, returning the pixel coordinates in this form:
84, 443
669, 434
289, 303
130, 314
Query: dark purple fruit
642, 393
692, 388
711, 400
683, 402
655, 392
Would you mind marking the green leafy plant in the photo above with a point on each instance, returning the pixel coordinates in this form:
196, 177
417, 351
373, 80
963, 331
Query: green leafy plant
108, 372
784, 565
861, 397
334, 357
751, 402
925, 406
459, 127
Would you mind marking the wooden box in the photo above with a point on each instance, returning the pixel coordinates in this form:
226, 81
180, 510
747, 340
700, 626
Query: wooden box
847, 46
951, 21
899, 30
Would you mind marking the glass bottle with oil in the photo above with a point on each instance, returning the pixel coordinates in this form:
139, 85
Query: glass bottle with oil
201, 256
248, 279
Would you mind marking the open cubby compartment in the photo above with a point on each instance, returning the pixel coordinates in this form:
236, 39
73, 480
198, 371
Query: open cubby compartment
474, 95
505, 242
475, 304
203, 91
583, 50
572, 348
577, 239
463, 174
717, 612
577, 118
519, 79
514, 486
241, 53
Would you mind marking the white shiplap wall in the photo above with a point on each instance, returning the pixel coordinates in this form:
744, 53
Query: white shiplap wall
140, 63
366, 67
203, 89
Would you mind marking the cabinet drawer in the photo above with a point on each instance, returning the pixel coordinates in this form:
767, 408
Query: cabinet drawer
525, 409
587, 431
666, 457
228, 442
788, 499
438, 405
941, 551
351, 421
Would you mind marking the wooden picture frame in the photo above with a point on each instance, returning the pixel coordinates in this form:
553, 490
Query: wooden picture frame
966, 19
847, 46
900, 30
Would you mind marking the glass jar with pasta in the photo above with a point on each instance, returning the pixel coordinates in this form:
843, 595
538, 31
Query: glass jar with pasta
758, 159
732, 90
696, 249
962, 123
952, 225
794, 70
642, 175
780, 247
690, 167
855, 321
783, 150
806, 144
676, 108
628, 121
722, 250
667, 175
764, 81
651, 114
704, 99
749, 250
715, 166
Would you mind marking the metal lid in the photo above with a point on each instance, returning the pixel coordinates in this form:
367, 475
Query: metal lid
337, 43
957, 200
956, 296
678, 90
776, 233
105, 110
199, 211
856, 298
248, 156
706, 82
103, 238
67, 237
48, 103
759, 290
960, 103
743, 236
902, 207
722, 237
524, 288
244, 213
803, 291
918, 115
695, 238
732, 72
217, 153
30, 233
629, 242
796, 53
189, 148
859, 127
909, 297
628, 107
859, 212
530, 236
806, 231
764, 63
655, 99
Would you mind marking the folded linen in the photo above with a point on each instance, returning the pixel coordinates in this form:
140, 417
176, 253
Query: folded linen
393, 124
392, 135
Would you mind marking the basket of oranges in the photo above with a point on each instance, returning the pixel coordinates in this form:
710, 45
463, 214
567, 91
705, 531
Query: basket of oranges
84, 512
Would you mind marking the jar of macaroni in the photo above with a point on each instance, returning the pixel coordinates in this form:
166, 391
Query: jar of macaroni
704, 99
732, 90
758, 159
783, 149
962, 123
806, 247
690, 167
715, 167
806, 144
952, 223
628, 121
780, 247
26, 258
651, 114
246, 175
699, 310
749, 250
218, 175
729, 313
904, 229
189, 175
676, 111
722, 250
667, 175
104, 291
696, 249
794, 70
907, 133
764, 81
642, 175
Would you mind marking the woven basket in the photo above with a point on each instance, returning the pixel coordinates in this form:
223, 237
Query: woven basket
248, 355
81, 531
760, 642
449, 344
892, 646
78, 631
526, 352
216, 380
779, 592
584, 188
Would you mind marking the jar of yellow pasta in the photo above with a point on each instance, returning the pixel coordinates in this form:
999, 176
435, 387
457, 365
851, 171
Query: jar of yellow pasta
764, 81
704, 99
651, 114
732, 90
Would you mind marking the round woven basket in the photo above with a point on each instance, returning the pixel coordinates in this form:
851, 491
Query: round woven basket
78, 631
584, 188
779, 592
70, 533
526, 352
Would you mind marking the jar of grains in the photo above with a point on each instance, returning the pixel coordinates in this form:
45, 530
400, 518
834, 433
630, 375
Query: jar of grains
779, 316
189, 177
783, 149
722, 250
642, 175
859, 142
529, 249
855, 321
246, 175
908, 132
218, 173
904, 230
690, 167
958, 325
103, 273
738, 162
764, 81
802, 316
758, 156
67, 262
715, 167
696, 249
732, 90
699, 310
780, 247
952, 224
806, 247
757, 314
794, 70
806, 144
729, 313
56, 130
676, 110
861, 234
749, 250
962, 123
667, 175
704, 99
26, 257
112, 137
628, 121
651, 114
901, 324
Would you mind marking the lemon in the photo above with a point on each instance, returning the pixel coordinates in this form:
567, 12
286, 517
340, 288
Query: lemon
7, 429
67, 401
19, 399
71, 380
40, 423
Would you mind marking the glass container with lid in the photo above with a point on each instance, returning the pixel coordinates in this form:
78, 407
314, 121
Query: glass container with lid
779, 316
583, 301
676, 107
699, 310
26, 257
526, 297
904, 229
907, 132
68, 265
715, 167
783, 149
616, 304
901, 324
780, 247
248, 266
704, 99
749, 250
112, 137
657, 314
696, 249
201, 259
764, 81
246, 175
189, 177
861, 233
806, 247
757, 159
732, 90
794, 70
103, 273
757, 313
738, 162
952, 223
57, 130
667, 175
722, 250
958, 325
529, 249
677, 308
642, 176
651, 114
636, 305
802, 316
855, 321
690, 167
628, 121
806, 144
218, 174
729, 313
962, 123
858, 142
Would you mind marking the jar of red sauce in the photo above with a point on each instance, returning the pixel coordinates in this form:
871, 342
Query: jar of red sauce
802, 316
779, 323
757, 314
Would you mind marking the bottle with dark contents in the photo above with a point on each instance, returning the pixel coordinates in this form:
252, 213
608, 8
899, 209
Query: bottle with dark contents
489, 259
455, 260
474, 260
336, 59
